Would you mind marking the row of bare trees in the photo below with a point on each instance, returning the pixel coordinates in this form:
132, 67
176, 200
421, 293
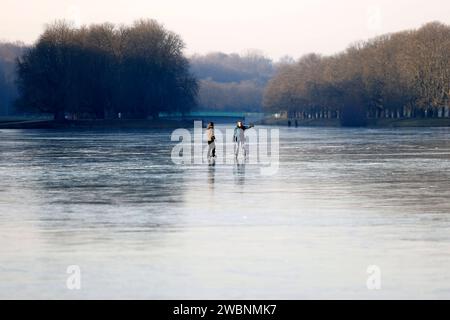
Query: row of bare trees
230, 96
399, 75
232, 82
103, 71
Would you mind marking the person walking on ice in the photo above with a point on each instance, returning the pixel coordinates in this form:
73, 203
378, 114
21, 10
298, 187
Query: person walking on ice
211, 141
239, 138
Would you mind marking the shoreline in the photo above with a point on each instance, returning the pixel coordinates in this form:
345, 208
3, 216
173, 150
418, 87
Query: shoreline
173, 124
371, 123
95, 124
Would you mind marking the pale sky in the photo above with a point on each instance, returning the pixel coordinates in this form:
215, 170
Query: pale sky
277, 28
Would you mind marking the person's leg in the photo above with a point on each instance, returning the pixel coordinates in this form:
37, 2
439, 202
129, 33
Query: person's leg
210, 148
236, 149
213, 149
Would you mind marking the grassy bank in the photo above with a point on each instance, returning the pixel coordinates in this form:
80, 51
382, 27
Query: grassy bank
380, 123
93, 124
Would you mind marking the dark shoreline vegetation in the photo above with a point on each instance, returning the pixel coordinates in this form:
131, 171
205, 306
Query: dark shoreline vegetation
107, 76
106, 72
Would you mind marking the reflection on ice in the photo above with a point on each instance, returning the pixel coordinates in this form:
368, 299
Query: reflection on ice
140, 226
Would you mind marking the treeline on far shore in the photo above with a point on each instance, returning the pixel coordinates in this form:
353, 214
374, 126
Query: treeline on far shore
105, 71
232, 82
400, 75
227, 82
9, 52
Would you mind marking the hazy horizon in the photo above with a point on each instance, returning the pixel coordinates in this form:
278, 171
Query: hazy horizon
279, 28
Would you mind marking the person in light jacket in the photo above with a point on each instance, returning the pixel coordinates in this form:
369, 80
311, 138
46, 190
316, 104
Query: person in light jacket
211, 141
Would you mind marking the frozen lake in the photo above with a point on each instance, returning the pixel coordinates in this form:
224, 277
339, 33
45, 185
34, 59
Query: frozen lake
139, 226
